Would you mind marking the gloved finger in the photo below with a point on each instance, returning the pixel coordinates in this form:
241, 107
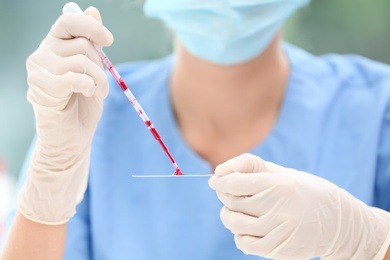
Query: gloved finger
256, 205
267, 246
244, 163
99, 77
60, 66
67, 48
272, 167
243, 224
59, 87
71, 25
74, 80
38, 97
82, 65
240, 184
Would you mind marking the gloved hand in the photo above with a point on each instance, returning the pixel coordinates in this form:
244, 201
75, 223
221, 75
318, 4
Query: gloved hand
67, 85
283, 213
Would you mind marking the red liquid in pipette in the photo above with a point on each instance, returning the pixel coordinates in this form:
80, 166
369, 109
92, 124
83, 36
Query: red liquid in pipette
148, 123
158, 138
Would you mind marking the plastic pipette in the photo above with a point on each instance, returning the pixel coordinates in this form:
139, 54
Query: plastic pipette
74, 8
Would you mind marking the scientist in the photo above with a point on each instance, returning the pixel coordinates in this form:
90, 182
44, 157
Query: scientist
230, 94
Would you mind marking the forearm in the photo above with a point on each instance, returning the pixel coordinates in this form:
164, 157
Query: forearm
31, 240
387, 256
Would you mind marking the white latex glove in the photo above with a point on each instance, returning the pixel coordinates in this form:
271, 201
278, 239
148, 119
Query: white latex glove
67, 85
283, 213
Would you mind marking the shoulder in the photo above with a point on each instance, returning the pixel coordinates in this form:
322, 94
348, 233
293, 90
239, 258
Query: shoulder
343, 69
345, 81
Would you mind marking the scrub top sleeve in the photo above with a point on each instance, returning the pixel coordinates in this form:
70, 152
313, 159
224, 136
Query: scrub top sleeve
78, 237
382, 188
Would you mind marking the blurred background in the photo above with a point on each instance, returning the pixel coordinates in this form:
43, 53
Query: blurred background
348, 26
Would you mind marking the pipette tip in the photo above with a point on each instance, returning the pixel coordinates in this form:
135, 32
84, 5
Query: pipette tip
178, 172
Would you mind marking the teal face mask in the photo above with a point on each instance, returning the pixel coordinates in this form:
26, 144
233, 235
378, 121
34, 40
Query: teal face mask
224, 31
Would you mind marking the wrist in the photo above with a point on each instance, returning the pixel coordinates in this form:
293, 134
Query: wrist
363, 233
384, 219
51, 197
49, 159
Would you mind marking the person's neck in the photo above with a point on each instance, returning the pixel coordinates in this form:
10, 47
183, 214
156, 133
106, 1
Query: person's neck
213, 101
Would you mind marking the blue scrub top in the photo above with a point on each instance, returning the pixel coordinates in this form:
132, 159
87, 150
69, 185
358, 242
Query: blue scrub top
334, 123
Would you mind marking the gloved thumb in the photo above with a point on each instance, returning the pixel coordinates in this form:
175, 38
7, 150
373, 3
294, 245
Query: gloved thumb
244, 163
94, 12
